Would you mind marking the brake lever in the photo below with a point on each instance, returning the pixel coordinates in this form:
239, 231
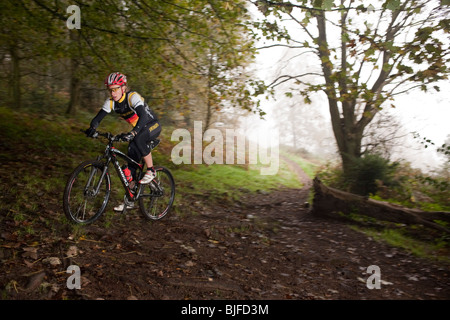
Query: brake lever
95, 135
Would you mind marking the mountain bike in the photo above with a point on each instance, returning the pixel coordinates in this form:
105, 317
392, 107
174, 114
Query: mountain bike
88, 188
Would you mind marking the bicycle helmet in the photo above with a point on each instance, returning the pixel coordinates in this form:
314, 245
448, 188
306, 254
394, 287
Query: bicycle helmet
116, 78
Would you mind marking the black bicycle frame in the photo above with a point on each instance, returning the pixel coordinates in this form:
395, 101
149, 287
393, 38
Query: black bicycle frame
111, 156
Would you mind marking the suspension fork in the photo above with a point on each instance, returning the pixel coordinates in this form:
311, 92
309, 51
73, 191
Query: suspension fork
99, 184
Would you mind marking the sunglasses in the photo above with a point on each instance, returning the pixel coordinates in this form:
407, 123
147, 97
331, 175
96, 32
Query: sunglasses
111, 90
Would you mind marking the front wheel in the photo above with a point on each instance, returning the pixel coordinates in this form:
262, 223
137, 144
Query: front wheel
156, 198
87, 192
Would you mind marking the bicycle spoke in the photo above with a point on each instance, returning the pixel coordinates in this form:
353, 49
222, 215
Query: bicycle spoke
87, 193
155, 203
80, 209
156, 199
84, 210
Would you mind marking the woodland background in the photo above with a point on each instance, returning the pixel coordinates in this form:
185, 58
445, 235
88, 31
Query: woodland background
194, 60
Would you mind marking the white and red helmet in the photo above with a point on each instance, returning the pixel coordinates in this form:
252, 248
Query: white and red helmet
116, 78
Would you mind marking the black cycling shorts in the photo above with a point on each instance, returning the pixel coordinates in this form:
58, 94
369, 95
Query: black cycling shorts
139, 146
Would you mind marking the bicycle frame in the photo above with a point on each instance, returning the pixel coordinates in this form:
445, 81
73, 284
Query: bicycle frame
111, 154
81, 201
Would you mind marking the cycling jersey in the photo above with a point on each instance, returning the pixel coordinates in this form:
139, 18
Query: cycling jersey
131, 107
136, 112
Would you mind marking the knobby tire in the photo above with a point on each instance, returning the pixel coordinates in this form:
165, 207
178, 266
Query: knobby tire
156, 198
82, 205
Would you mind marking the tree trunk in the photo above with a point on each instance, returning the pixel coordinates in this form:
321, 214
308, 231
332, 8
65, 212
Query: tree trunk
209, 100
347, 131
75, 88
349, 149
15, 78
75, 82
293, 127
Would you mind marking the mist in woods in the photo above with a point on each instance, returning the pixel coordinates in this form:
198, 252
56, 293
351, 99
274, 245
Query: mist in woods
287, 62
217, 64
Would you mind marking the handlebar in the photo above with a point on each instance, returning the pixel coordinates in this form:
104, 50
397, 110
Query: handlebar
107, 135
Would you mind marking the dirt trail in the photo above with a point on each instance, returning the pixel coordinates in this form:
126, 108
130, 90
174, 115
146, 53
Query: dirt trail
266, 246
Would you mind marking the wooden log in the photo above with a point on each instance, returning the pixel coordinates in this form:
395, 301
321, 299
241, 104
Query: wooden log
333, 203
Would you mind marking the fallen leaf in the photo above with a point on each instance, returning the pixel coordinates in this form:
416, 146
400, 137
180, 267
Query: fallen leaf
72, 252
30, 252
53, 261
35, 281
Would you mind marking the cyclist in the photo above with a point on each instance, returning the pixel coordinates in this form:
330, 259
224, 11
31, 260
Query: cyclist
131, 107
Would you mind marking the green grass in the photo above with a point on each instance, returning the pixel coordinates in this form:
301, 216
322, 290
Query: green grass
424, 206
430, 250
307, 166
231, 181
431, 245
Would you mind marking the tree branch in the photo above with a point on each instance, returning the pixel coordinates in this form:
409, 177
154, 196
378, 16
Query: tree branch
286, 78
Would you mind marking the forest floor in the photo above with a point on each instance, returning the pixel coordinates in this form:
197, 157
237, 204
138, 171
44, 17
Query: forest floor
267, 246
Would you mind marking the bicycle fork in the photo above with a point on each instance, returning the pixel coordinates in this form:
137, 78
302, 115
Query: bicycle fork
96, 189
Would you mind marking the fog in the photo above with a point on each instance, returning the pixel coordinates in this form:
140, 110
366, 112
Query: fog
425, 113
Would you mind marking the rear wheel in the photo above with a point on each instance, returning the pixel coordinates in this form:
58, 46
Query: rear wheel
156, 198
87, 193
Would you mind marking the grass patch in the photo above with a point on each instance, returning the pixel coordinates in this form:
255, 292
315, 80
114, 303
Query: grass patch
416, 239
307, 166
436, 250
422, 205
231, 181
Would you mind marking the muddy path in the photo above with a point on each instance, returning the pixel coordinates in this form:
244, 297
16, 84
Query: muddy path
266, 246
